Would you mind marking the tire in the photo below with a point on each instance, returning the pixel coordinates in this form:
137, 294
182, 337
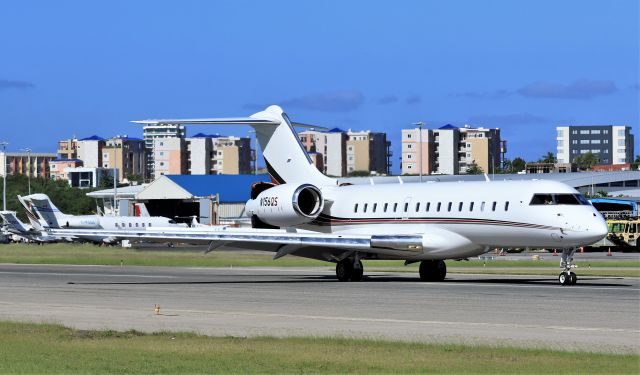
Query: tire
358, 272
573, 279
344, 270
563, 279
433, 270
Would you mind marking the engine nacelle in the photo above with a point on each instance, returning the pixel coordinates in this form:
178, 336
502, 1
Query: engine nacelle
286, 205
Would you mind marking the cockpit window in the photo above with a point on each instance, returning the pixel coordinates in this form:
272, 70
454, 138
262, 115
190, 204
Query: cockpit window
573, 199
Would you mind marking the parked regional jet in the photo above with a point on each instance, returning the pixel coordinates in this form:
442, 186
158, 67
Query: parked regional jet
40, 209
306, 213
28, 232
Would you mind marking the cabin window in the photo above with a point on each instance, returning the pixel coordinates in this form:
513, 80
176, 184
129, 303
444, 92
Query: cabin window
123, 225
149, 224
375, 206
572, 199
365, 207
130, 225
136, 225
506, 206
449, 206
471, 207
438, 207
428, 206
493, 206
482, 206
417, 206
395, 207
355, 208
386, 205
117, 225
460, 206
566, 199
539, 199
406, 206
143, 225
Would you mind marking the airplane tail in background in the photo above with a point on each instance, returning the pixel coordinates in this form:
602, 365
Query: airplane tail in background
14, 224
285, 157
41, 205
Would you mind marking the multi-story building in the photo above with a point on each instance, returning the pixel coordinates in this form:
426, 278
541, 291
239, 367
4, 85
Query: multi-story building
367, 151
89, 150
451, 150
67, 148
126, 154
330, 146
612, 144
216, 154
34, 164
58, 168
411, 153
159, 131
170, 156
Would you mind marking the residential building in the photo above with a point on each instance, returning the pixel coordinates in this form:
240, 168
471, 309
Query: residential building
367, 151
88, 177
35, 164
170, 156
611, 143
67, 148
456, 149
411, 151
127, 154
89, 150
447, 143
159, 131
331, 147
216, 154
59, 168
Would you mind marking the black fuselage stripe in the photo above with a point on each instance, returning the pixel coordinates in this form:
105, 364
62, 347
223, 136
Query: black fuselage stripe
330, 220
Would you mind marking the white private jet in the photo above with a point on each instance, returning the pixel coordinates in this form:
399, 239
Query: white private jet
306, 213
41, 210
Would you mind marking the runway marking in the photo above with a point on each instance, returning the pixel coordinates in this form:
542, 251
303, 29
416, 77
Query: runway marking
344, 318
85, 274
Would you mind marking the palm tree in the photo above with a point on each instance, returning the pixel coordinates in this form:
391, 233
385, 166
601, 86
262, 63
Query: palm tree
549, 157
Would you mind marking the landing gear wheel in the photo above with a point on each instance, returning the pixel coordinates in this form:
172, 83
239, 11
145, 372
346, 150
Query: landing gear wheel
358, 271
562, 278
573, 279
567, 278
433, 270
344, 270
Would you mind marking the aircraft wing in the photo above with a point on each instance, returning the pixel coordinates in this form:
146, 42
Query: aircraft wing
280, 241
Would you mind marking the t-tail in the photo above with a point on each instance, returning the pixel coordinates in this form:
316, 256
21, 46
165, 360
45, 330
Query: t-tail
41, 206
14, 224
286, 162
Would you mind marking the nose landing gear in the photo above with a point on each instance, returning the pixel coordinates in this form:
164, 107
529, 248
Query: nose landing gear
567, 277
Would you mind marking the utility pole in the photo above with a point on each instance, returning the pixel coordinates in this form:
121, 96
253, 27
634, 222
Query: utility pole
420, 124
4, 175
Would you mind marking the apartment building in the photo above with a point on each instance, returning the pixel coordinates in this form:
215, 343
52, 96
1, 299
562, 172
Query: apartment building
329, 150
89, 150
126, 154
451, 150
34, 164
367, 151
216, 154
58, 168
170, 156
154, 132
611, 143
67, 148
413, 149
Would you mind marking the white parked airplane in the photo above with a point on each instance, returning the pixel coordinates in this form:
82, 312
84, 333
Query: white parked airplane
26, 231
322, 219
40, 209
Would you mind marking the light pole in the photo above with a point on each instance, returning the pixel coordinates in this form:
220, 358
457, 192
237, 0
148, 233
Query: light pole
28, 150
420, 124
4, 175
115, 176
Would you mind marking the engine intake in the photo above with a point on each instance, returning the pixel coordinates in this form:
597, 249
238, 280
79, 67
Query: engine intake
286, 205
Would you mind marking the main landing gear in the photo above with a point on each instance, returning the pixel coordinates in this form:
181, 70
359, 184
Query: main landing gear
433, 270
567, 277
349, 269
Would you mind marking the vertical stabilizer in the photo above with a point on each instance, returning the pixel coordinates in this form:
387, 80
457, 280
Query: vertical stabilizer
41, 205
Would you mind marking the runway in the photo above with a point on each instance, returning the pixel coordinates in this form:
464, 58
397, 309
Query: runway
598, 314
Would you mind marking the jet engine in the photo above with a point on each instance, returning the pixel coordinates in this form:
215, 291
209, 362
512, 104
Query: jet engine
284, 205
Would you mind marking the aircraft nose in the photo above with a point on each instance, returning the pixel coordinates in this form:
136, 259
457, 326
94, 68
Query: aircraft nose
601, 229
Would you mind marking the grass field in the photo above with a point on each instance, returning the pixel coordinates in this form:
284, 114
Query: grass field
46, 348
97, 255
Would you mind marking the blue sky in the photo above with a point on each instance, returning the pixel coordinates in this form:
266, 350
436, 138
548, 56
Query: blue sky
84, 67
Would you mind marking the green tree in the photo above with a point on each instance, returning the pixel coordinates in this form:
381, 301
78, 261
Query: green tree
359, 174
586, 161
518, 164
549, 157
636, 163
474, 168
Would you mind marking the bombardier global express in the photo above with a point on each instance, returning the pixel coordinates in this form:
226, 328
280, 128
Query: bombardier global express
305, 213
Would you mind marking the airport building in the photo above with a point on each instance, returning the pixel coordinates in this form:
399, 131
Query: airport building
34, 164
612, 144
451, 150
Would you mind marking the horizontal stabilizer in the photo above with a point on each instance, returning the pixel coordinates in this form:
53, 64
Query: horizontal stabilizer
210, 121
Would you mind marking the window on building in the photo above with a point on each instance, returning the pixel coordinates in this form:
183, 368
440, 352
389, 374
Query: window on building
595, 141
575, 142
584, 131
409, 156
595, 131
560, 133
584, 141
621, 133
605, 131
408, 135
408, 146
